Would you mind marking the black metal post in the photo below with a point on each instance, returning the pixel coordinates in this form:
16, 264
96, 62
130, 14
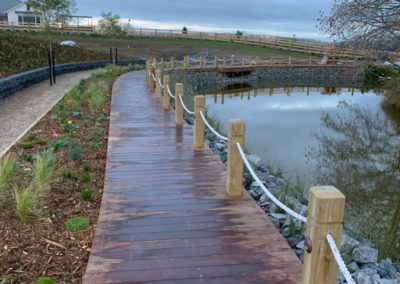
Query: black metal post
54, 67
111, 56
51, 77
116, 56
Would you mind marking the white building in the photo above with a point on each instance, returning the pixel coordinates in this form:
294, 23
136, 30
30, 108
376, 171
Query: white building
17, 11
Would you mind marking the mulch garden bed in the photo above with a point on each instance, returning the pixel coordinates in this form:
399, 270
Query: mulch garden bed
41, 245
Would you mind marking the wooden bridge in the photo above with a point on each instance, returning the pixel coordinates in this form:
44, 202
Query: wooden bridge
173, 213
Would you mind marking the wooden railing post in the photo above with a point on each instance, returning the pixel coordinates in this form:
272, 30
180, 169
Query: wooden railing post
216, 61
223, 62
172, 63
178, 104
201, 62
251, 61
166, 95
310, 61
290, 61
147, 71
152, 69
325, 215
158, 86
232, 59
234, 182
198, 137
242, 61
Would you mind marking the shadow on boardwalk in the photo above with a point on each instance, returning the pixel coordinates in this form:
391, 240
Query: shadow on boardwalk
165, 216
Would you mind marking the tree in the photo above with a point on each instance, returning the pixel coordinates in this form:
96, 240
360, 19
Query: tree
239, 34
364, 23
184, 30
54, 13
109, 25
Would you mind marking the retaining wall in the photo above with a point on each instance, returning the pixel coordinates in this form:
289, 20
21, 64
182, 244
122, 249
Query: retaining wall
270, 77
15, 83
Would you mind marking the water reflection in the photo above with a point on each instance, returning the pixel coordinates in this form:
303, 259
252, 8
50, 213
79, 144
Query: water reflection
331, 135
358, 152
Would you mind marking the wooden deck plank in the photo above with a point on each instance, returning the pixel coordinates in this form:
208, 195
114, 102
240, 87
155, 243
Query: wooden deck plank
165, 217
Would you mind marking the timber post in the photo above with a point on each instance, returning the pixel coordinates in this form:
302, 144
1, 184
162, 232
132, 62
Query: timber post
178, 104
325, 216
234, 181
158, 85
166, 95
199, 126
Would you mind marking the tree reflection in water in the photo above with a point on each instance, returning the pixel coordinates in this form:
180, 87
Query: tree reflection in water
358, 152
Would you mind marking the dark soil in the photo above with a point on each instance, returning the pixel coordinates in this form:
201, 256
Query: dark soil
41, 245
19, 53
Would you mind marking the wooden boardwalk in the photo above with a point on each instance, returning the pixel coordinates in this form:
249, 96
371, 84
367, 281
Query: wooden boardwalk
165, 217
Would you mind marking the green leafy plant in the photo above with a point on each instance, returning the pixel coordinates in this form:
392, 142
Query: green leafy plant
43, 170
24, 201
102, 117
77, 223
31, 137
59, 108
96, 94
75, 151
37, 132
28, 146
96, 134
57, 145
44, 280
41, 142
86, 194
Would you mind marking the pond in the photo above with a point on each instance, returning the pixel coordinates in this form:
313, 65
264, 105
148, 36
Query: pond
328, 136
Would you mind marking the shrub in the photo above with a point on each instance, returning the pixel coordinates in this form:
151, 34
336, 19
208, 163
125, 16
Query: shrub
75, 151
78, 223
44, 280
87, 194
7, 169
24, 201
85, 177
28, 146
43, 169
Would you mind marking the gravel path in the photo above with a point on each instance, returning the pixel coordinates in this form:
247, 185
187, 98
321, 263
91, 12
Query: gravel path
19, 111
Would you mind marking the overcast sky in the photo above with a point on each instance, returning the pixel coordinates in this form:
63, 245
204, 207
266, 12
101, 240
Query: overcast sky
270, 17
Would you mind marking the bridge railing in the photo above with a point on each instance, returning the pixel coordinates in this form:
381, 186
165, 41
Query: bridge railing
221, 63
325, 205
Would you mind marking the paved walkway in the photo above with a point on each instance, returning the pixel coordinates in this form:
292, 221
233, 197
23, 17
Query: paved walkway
20, 110
165, 217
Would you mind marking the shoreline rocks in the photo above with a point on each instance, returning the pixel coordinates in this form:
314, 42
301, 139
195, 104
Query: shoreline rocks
361, 260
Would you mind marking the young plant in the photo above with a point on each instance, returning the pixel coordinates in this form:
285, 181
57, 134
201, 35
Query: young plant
75, 151
67, 174
94, 145
28, 146
87, 168
41, 142
43, 170
24, 202
31, 137
85, 177
59, 108
78, 223
44, 280
86, 194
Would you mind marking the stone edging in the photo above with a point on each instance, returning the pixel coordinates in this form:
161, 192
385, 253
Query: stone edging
18, 82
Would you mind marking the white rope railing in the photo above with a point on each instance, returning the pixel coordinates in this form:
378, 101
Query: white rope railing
159, 82
339, 260
267, 192
212, 129
169, 92
154, 78
184, 107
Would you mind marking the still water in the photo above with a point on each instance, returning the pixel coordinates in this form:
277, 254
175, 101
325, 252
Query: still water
330, 136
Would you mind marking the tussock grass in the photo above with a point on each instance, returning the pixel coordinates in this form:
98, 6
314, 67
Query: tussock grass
25, 199
43, 170
97, 94
7, 170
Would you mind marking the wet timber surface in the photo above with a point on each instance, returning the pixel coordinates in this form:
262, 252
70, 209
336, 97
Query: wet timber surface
165, 217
